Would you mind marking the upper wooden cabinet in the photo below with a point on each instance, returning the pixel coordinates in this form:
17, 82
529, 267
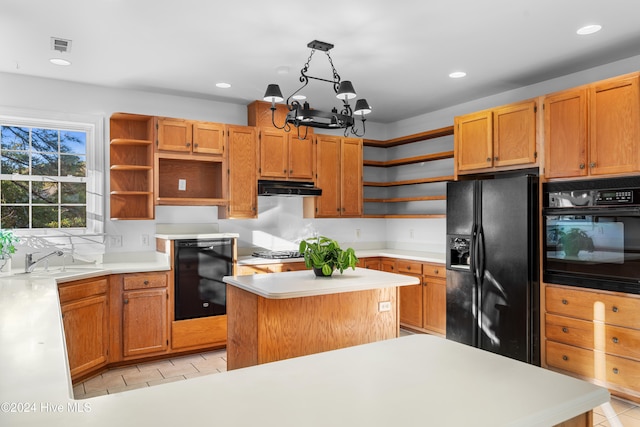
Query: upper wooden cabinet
339, 175
242, 178
593, 129
131, 166
284, 156
499, 138
187, 136
259, 115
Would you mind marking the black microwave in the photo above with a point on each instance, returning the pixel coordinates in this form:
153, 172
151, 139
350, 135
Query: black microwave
591, 233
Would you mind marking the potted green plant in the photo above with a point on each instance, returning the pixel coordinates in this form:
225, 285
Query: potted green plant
7, 248
574, 241
324, 255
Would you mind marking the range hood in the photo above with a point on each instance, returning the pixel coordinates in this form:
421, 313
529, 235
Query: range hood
287, 188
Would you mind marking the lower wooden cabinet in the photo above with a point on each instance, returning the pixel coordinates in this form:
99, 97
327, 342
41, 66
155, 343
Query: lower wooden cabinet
594, 335
85, 317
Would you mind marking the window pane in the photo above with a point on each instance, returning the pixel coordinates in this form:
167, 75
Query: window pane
44, 192
73, 165
14, 191
44, 217
14, 217
44, 164
73, 216
73, 142
44, 140
72, 192
14, 138
14, 162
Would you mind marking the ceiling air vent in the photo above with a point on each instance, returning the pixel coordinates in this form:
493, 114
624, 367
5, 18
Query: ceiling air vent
61, 45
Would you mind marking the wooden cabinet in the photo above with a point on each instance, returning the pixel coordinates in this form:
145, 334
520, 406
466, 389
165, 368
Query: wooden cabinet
411, 304
85, 317
131, 166
285, 157
259, 115
242, 178
144, 314
339, 175
496, 139
370, 263
187, 136
593, 129
595, 335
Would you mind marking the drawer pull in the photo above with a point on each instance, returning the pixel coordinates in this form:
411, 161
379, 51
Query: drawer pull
565, 357
435, 271
126, 300
565, 302
615, 340
146, 282
565, 330
614, 309
615, 371
408, 267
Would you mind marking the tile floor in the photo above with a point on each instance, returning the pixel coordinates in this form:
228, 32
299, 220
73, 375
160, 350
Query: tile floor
619, 413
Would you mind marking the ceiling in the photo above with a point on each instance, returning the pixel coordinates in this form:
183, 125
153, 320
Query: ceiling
397, 54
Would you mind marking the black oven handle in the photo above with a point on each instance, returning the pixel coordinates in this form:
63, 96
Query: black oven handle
596, 211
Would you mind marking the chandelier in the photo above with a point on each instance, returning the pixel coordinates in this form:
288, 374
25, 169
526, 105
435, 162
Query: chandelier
304, 115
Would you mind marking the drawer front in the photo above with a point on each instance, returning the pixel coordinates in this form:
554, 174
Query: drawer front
623, 372
568, 330
409, 266
73, 291
571, 359
144, 281
611, 309
622, 341
435, 270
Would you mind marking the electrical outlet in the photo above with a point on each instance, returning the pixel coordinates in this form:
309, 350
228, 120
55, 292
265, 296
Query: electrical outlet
357, 233
182, 185
115, 241
144, 239
384, 306
411, 233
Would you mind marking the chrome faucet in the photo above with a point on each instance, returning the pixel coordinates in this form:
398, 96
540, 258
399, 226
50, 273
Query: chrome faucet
30, 264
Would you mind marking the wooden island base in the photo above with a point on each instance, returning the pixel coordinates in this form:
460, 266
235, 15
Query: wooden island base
262, 330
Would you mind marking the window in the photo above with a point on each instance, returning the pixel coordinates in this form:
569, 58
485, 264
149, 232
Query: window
51, 173
43, 175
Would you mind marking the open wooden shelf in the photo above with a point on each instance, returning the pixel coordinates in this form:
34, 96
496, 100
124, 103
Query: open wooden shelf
405, 216
409, 181
129, 141
410, 160
416, 137
406, 199
130, 168
193, 201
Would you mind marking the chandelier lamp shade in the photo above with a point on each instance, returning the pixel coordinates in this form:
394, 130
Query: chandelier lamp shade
303, 115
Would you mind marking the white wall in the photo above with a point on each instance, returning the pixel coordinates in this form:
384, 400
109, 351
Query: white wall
280, 219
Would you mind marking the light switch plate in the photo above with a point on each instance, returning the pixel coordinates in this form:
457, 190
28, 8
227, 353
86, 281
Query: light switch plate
384, 306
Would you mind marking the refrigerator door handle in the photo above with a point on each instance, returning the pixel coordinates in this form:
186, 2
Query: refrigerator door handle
480, 256
473, 261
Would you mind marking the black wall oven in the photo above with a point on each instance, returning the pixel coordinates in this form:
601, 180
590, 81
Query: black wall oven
592, 233
200, 265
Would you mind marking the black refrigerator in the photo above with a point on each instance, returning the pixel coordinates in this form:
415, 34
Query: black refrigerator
492, 266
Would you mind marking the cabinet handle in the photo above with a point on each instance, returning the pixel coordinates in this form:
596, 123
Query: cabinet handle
126, 300
488, 159
435, 271
565, 357
284, 171
614, 309
565, 302
291, 171
188, 144
565, 330
615, 371
146, 282
581, 165
195, 145
615, 340
495, 158
592, 164
408, 268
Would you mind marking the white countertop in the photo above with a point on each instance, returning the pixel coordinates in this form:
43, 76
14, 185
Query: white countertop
295, 284
421, 256
203, 235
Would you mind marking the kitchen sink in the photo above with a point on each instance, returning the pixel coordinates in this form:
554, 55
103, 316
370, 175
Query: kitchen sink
58, 272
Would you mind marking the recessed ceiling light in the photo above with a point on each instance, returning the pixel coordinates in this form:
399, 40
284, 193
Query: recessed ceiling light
223, 85
59, 61
589, 29
457, 74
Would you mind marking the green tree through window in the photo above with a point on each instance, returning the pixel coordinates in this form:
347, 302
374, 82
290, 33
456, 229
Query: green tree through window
43, 177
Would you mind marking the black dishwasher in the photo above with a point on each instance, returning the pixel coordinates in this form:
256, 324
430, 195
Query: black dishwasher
200, 265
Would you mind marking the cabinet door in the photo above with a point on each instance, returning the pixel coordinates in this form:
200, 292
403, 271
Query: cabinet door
86, 333
565, 134
474, 141
435, 304
351, 177
175, 135
243, 200
144, 318
614, 115
328, 176
301, 158
514, 134
208, 138
411, 309
274, 154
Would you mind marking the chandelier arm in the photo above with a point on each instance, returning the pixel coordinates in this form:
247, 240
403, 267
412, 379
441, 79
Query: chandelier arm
354, 131
336, 76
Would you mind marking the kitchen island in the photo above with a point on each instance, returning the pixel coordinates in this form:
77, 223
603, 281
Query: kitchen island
277, 316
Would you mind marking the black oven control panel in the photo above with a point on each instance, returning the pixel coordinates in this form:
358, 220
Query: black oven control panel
615, 197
